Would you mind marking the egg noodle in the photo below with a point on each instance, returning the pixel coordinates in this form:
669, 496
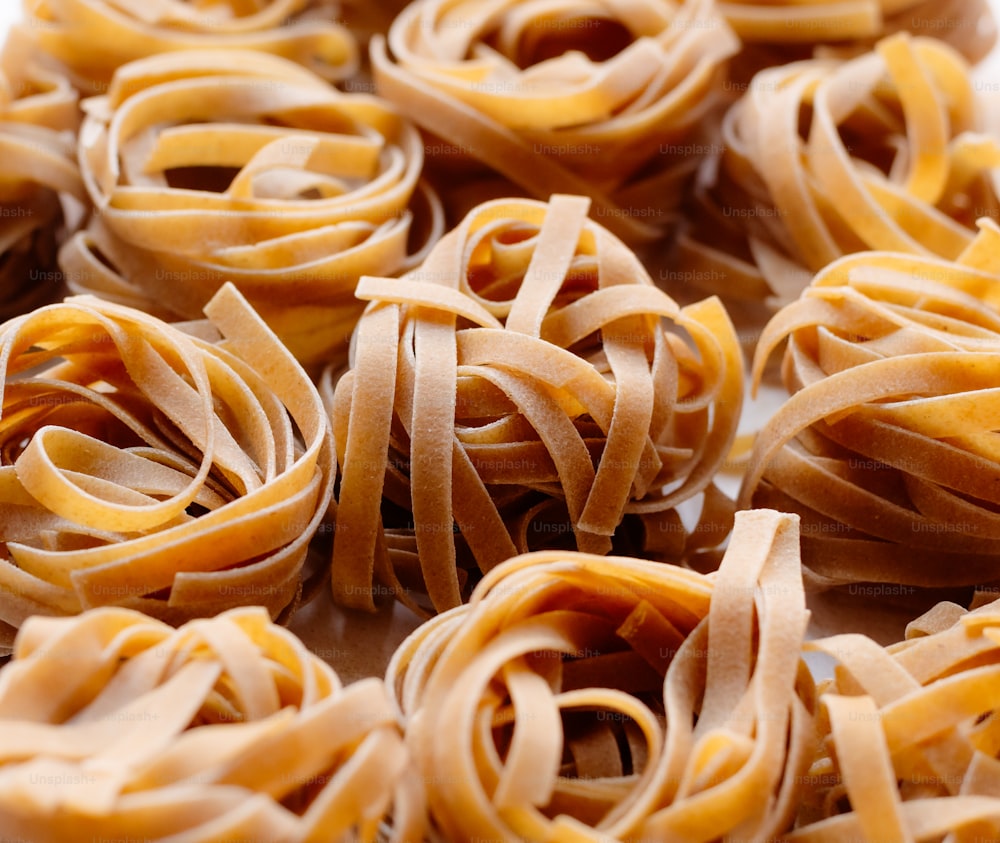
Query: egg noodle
119, 727
90, 39
580, 697
598, 98
527, 386
780, 31
312, 189
886, 446
38, 170
895, 156
910, 734
147, 467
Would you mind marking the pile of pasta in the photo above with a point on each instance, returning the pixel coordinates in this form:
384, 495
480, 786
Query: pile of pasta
909, 733
780, 31
38, 171
893, 155
175, 473
119, 727
598, 98
89, 39
581, 697
886, 447
527, 386
214, 166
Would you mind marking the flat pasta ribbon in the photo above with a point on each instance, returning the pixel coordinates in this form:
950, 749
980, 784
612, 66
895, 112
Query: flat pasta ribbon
38, 173
894, 155
119, 727
887, 447
215, 166
526, 387
910, 747
580, 697
146, 467
90, 39
781, 31
599, 98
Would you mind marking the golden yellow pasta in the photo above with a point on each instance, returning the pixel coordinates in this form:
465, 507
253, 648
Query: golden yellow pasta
910, 749
585, 698
887, 446
600, 98
90, 39
823, 158
234, 166
527, 386
119, 727
38, 173
148, 467
780, 31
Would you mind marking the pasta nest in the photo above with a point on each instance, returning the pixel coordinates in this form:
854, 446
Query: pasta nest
90, 39
222, 166
38, 172
587, 697
909, 734
527, 386
118, 726
779, 31
886, 447
146, 467
597, 98
888, 151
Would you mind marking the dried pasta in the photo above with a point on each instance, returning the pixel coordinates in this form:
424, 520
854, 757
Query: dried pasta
148, 467
211, 166
886, 448
605, 99
780, 31
910, 744
580, 697
893, 156
119, 727
90, 39
527, 386
38, 173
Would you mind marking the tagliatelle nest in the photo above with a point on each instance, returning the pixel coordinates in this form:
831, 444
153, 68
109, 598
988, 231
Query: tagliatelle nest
887, 446
235, 166
893, 155
38, 171
144, 467
779, 31
910, 735
598, 98
580, 697
527, 386
118, 727
90, 39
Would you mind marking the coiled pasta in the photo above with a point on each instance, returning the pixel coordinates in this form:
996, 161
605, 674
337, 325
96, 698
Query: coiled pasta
527, 386
146, 467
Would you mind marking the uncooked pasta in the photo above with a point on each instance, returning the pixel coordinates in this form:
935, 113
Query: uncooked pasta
222, 166
823, 158
886, 447
144, 466
612, 100
527, 386
90, 39
909, 735
780, 31
38, 176
119, 727
580, 697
